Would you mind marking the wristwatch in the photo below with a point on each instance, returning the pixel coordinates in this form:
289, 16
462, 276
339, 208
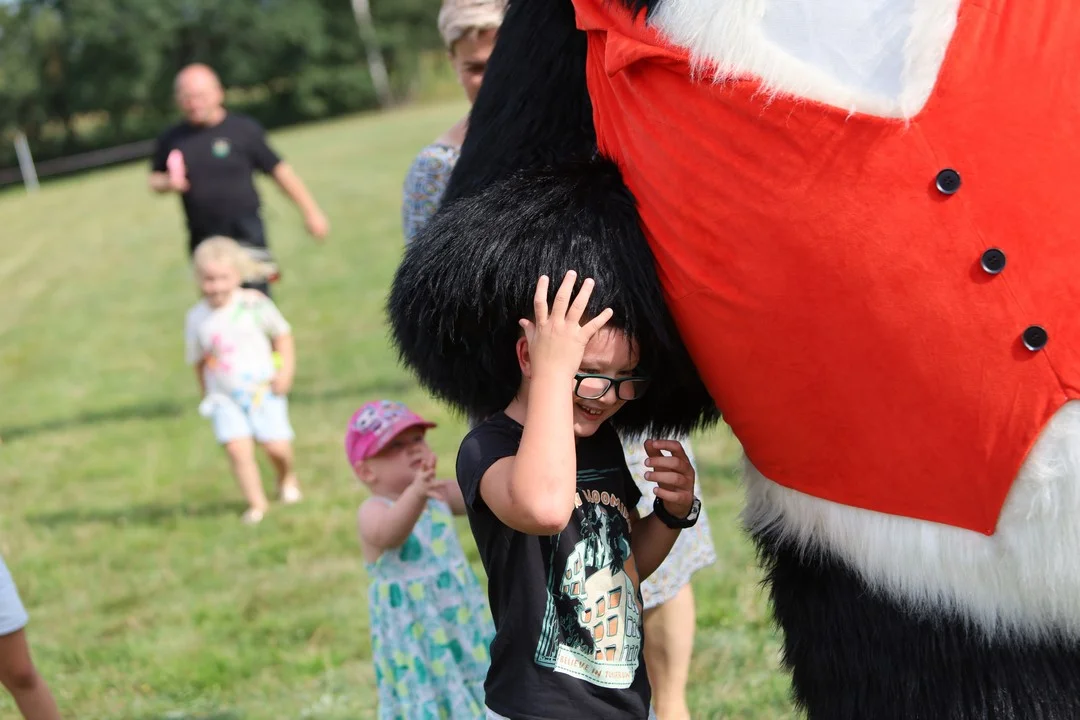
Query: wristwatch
676, 523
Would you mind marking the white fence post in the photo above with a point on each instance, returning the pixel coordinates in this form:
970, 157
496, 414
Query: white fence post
26, 163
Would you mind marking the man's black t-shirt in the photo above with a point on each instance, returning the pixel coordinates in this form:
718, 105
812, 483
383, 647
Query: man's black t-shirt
567, 608
220, 162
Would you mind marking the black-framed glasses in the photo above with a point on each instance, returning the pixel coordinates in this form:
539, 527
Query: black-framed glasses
590, 386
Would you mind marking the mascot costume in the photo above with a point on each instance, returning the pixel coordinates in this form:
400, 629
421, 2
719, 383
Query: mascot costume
852, 227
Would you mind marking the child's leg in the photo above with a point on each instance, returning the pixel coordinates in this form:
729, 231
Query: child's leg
21, 678
233, 429
280, 453
669, 645
241, 453
275, 433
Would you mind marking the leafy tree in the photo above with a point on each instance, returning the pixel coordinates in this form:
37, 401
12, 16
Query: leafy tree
82, 74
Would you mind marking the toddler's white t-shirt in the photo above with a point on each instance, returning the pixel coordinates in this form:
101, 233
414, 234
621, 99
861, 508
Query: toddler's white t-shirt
235, 342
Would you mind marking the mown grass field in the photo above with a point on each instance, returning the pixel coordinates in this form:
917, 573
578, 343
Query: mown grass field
118, 518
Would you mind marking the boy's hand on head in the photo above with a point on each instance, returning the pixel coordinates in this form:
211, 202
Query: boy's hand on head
556, 338
674, 475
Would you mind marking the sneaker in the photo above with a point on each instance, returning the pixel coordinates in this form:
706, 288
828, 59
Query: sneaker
291, 494
252, 516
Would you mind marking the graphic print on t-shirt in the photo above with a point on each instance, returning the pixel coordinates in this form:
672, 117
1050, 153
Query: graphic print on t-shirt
592, 626
221, 147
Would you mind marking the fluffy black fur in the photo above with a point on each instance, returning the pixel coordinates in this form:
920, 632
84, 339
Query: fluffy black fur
533, 109
471, 275
528, 196
855, 655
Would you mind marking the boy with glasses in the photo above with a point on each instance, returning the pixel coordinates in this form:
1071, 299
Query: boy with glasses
552, 508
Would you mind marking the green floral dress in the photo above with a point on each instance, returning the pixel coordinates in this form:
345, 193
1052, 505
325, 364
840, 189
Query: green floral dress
431, 629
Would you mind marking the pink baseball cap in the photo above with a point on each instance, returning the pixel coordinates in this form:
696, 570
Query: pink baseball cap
374, 425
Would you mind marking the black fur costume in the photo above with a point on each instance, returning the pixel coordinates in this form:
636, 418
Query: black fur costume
530, 196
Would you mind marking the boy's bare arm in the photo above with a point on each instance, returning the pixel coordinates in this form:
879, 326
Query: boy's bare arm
533, 492
651, 541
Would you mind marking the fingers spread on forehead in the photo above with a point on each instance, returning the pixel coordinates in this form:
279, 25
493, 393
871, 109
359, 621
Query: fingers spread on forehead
540, 302
597, 323
562, 297
581, 302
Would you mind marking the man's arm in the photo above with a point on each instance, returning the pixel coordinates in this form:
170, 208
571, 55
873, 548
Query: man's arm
294, 187
265, 158
160, 181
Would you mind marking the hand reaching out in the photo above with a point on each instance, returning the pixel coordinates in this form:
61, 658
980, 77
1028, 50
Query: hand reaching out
674, 475
425, 481
557, 339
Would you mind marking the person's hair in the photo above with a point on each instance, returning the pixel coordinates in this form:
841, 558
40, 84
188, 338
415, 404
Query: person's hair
459, 331
224, 249
461, 19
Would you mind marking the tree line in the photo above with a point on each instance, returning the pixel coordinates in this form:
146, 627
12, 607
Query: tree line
79, 75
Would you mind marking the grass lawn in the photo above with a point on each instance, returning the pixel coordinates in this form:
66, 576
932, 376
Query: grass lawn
118, 517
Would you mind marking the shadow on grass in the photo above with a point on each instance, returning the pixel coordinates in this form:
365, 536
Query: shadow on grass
145, 514
151, 410
161, 409
359, 391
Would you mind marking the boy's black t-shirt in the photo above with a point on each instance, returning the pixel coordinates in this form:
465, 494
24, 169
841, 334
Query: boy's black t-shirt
220, 162
567, 608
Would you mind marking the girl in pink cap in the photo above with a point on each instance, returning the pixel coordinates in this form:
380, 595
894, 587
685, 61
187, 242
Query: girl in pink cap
430, 625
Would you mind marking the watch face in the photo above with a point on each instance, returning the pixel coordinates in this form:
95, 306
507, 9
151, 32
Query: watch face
695, 510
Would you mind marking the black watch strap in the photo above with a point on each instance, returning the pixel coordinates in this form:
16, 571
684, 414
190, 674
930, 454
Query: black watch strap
677, 523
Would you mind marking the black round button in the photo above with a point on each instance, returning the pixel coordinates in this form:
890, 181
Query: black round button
993, 261
1035, 338
948, 181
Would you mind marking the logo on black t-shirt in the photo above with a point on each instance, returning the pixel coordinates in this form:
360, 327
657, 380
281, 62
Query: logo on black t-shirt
221, 148
592, 627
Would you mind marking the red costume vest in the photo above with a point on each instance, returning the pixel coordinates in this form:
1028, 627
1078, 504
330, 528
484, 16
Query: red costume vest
887, 313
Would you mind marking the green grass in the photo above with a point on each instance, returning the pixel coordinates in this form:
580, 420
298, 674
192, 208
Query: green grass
118, 518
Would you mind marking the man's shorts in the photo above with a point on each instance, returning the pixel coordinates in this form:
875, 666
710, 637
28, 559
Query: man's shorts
12, 613
266, 420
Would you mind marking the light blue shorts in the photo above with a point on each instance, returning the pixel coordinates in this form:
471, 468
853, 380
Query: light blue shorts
12, 613
266, 421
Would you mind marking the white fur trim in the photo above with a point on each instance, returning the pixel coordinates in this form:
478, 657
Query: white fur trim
850, 54
1023, 579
